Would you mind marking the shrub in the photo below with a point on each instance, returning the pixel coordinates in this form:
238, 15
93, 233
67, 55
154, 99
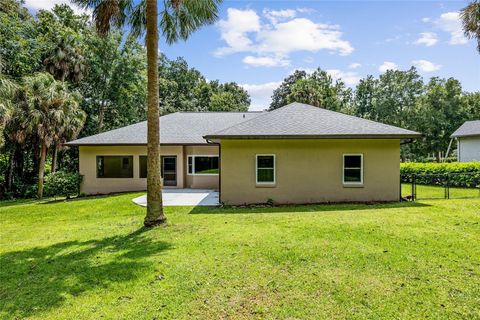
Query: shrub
458, 174
62, 183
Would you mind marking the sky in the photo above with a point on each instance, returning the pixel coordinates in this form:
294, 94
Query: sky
259, 43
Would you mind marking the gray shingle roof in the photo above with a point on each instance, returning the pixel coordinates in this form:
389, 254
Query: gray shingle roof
293, 121
175, 128
469, 128
298, 120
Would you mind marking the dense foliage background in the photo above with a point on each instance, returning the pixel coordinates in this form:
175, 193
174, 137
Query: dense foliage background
56, 72
60, 52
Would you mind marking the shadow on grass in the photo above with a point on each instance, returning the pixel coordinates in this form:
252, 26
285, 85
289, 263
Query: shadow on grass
39, 279
303, 208
17, 202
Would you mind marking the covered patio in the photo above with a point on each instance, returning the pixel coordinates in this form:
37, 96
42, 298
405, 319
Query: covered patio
184, 197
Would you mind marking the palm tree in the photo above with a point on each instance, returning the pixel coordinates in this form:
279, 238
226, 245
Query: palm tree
7, 89
48, 110
178, 19
470, 16
66, 60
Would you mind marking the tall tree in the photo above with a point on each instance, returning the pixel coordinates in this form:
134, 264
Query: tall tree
115, 85
397, 93
20, 51
47, 110
318, 89
279, 97
471, 105
7, 89
179, 18
364, 101
470, 16
61, 32
439, 112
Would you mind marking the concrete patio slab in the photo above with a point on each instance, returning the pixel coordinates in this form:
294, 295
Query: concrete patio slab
184, 197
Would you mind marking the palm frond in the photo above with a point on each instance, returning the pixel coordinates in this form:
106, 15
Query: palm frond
470, 16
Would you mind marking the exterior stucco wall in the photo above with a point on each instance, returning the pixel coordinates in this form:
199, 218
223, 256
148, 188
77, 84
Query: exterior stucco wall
468, 149
201, 181
309, 171
93, 185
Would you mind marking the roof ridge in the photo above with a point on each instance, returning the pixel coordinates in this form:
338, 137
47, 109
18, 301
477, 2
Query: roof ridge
203, 112
243, 122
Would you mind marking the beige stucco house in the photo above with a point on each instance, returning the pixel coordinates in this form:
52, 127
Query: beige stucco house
294, 154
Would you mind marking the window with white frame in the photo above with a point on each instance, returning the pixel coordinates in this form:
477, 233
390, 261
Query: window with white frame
265, 168
203, 165
353, 168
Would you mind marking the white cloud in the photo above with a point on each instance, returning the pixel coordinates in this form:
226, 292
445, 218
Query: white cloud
261, 94
350, 78
276, 15
36, 5
301, 34
427, 38
354, 65
387, 65
243, 31
450, 22
235, 30
426, 66
266, 61
426, 19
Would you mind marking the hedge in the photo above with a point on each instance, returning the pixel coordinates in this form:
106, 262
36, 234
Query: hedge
62, 183
457, 174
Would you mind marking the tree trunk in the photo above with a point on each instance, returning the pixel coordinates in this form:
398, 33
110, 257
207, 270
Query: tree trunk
155, 214
9, 175
101, 116
41, 169
54, 157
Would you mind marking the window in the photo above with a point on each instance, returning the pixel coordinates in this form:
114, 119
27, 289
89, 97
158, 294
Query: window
114, 166
265, 169
353, 169
143, 167
203, 165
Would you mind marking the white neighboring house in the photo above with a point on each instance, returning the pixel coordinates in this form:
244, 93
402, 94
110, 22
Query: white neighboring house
468, 138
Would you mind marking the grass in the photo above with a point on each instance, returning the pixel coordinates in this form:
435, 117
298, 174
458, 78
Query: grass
90, 259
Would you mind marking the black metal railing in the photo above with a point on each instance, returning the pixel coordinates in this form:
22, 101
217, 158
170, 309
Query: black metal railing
440, 186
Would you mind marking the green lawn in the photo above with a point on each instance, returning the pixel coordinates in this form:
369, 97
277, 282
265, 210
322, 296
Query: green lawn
89, 259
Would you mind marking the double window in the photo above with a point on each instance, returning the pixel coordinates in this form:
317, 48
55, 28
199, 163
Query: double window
353, 169
114, 166
203, 165
265, 168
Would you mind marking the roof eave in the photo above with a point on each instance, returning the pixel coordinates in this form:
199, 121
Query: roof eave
293, 137
75, 144
465, 135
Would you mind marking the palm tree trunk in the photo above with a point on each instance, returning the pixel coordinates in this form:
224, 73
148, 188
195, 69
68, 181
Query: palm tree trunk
54, 157
9, 173
41, 169
155, 214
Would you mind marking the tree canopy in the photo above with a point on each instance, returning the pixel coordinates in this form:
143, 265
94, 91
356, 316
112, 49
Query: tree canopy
108, 75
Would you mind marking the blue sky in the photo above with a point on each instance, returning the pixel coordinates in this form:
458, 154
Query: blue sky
258, 43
